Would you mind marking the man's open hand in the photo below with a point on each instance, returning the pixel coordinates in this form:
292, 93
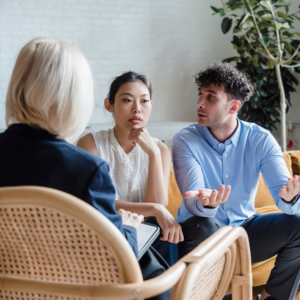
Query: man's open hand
209, 197
291, 189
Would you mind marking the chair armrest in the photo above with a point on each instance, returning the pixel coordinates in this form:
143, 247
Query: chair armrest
127, 291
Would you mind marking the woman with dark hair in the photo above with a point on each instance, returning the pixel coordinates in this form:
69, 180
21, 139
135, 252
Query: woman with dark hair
139, 164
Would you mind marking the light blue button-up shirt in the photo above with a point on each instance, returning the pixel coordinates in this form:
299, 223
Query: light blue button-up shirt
200, 161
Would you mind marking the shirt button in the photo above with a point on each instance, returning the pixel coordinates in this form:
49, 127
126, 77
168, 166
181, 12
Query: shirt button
228, 212
220, 145
225, 155
226, 176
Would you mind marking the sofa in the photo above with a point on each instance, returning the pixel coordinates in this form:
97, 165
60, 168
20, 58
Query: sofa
264, 203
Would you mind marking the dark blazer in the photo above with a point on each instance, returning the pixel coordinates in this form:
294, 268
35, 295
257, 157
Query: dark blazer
31, 156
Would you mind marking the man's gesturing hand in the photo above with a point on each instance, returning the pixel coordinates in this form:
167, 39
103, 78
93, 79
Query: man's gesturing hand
291, 189
131, 219
209, 197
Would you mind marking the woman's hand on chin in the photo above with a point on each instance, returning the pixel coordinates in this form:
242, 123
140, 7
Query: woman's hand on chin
171, 230
143, 138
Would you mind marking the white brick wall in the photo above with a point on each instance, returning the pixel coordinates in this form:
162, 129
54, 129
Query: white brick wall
168, 40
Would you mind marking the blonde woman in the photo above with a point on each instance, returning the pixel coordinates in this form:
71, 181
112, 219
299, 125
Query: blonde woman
49, 102
139, 164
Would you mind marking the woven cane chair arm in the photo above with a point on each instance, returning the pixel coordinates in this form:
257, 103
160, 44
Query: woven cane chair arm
130, 291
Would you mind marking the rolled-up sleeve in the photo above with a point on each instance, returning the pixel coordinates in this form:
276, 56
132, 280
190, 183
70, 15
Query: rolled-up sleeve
189, 176
276, 173
100, 194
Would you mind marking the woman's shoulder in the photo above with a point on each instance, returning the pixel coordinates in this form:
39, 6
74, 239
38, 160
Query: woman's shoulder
102, 136
87, 143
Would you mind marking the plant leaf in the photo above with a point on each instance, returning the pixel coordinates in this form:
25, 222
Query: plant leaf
264, 42
263, 92
278, 25
264, 24
215, 9
283, 15
231, 59
236, 29
260, 83
298, 33
267, 17
295, 16
236, 5
282, 3
285, 25
265, 4
226, 25
248, 24
270, 64
222, 12
288, 47
247, 15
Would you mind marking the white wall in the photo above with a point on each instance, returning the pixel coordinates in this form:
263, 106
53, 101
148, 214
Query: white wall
167, 40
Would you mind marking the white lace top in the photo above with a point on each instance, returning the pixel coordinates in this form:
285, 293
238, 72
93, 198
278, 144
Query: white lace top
129, 172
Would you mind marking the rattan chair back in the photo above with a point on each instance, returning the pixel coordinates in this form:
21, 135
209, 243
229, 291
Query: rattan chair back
48, 236
223, 258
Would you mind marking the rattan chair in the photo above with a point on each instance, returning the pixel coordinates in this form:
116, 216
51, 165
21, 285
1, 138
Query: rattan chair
221, 259
55, 246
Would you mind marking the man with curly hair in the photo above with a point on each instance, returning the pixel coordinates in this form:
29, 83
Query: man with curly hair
217, 164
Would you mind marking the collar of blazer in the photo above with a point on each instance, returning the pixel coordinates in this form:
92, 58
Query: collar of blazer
19, 128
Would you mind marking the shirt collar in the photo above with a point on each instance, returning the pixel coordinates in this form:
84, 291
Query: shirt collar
214, 143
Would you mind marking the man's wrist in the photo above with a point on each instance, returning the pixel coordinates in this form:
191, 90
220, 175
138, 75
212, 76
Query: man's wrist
209, 207
293, 201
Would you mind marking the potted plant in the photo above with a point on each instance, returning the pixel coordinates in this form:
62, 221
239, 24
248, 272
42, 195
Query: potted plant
268, 48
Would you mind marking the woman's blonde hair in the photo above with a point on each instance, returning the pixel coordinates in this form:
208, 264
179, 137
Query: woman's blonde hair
51, 87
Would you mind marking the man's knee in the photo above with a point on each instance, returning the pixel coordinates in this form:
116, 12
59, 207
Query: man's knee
200, 227
195, 231
292, 222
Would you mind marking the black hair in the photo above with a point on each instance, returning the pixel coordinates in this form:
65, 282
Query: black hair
124, 78
236, 83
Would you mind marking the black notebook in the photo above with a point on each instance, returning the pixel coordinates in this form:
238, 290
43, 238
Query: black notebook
146, 235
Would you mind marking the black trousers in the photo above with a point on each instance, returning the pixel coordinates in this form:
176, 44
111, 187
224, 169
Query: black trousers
270, 234
153, 265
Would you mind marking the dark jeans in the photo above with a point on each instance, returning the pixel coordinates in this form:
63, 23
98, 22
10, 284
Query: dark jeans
269, 234
153, 265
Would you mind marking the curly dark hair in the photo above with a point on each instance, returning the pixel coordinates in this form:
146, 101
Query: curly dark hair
236, 83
